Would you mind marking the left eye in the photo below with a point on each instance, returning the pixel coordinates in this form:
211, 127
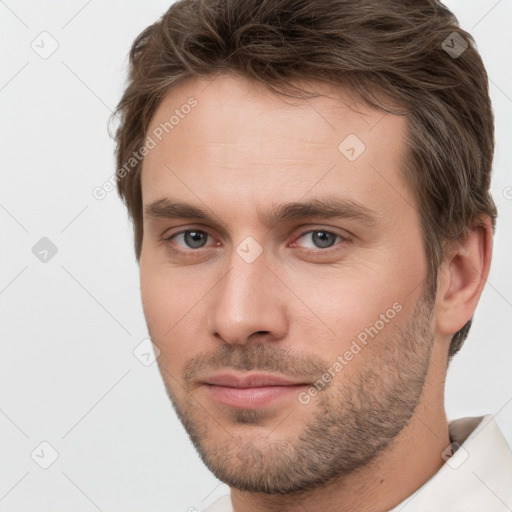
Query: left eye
320, 239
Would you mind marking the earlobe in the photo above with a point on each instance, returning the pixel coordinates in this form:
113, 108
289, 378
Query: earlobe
463, 277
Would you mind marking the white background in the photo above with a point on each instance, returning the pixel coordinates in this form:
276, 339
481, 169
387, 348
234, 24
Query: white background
69, 326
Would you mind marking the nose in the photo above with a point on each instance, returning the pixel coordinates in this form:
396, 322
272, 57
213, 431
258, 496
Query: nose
249, 303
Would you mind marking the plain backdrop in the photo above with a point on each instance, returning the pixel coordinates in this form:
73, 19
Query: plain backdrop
71, 319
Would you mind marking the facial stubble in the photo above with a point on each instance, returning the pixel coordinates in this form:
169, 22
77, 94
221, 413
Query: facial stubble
351, 422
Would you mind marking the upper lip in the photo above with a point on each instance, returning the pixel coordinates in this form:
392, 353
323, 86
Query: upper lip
251, 380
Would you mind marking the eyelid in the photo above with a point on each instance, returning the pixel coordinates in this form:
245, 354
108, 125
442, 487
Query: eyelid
168, 238
182, 229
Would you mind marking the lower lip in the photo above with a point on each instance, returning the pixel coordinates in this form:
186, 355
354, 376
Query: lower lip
251, 398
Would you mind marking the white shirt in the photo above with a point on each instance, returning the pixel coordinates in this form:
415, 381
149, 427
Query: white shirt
476, 478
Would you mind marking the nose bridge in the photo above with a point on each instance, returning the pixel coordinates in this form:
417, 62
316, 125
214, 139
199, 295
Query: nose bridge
247, 300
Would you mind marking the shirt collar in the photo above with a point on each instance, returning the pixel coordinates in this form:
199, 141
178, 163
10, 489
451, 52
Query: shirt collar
478, 476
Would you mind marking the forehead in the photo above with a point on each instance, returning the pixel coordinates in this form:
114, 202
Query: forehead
227, 135
231, 102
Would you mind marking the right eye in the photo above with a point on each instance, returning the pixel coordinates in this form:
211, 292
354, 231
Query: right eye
189, 239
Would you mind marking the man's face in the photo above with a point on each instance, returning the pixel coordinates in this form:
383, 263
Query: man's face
294, 347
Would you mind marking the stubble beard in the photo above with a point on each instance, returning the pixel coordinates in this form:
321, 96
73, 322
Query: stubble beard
351, 422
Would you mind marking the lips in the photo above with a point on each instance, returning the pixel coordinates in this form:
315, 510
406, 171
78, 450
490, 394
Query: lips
254, 380
250, 391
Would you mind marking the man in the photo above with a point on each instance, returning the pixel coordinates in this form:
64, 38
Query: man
309, 186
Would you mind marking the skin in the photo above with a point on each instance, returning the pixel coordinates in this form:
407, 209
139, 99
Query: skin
297, 307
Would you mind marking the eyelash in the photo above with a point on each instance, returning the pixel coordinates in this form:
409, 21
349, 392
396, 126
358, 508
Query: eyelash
318, 250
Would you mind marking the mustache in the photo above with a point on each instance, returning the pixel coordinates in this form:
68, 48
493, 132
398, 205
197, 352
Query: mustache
256, 357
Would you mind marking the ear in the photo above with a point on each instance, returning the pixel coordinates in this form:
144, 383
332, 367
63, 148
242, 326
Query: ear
462, 278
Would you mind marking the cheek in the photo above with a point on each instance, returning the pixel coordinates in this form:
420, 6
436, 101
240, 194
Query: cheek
165, 292
346, 299
358, 302
156, 300
167, 308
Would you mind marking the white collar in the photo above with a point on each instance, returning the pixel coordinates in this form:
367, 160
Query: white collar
476, 478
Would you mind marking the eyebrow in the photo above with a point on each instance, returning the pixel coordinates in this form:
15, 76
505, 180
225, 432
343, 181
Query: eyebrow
325, 207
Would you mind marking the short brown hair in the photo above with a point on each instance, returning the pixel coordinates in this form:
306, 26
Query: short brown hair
394, 49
